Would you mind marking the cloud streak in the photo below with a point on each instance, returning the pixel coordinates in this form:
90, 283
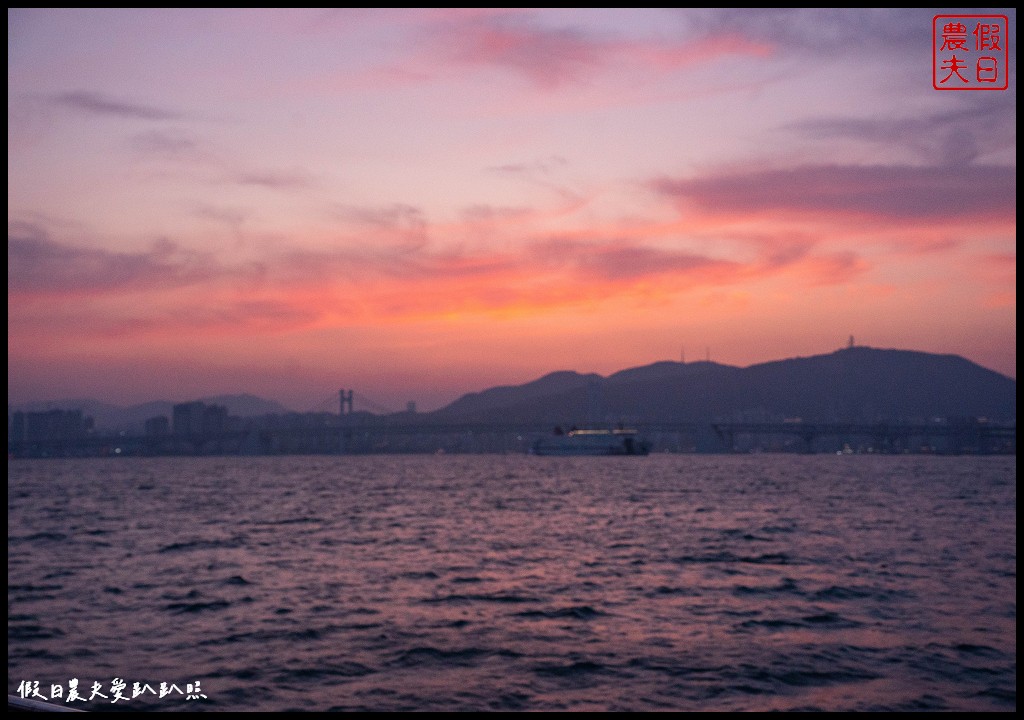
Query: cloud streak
924, 194
100, 104
274, 180
167, 144
39, 265
983, 127
824, 31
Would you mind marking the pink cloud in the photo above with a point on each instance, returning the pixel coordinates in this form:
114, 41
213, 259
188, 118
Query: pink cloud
555, 57
684, 53
549, 58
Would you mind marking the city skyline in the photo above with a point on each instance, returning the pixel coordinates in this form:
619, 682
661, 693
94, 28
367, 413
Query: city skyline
424, 203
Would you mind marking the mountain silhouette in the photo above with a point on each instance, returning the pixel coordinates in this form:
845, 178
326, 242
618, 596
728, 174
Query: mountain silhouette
856, 384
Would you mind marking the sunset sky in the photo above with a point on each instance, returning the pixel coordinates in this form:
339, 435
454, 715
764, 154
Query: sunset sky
422, 203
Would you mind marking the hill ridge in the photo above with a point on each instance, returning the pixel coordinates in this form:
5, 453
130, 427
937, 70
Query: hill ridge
858, 383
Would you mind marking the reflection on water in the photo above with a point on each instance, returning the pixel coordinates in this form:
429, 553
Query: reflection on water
518, 583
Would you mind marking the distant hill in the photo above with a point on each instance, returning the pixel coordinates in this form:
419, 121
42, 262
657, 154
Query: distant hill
554, 388
132, 419
246, 405
857, 384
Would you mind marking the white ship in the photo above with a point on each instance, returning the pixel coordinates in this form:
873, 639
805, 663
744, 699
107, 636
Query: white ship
619, 441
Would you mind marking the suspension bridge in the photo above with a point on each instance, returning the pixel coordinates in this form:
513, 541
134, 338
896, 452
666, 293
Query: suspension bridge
345, 402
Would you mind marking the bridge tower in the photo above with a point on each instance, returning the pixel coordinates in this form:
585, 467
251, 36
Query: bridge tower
345, 398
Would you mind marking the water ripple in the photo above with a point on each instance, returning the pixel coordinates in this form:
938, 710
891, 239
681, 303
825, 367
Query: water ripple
516, 583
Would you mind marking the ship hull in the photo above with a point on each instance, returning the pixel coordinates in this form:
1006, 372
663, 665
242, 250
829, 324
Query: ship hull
590, 443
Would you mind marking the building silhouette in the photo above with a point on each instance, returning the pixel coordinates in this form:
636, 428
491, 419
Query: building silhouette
49, 426
195, 419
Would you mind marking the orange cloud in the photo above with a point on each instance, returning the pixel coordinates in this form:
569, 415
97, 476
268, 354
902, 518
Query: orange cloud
307, 289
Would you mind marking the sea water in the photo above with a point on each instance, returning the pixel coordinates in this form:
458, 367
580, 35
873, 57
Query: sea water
511, 582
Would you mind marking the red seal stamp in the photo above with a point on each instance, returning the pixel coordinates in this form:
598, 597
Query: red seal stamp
970, 52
